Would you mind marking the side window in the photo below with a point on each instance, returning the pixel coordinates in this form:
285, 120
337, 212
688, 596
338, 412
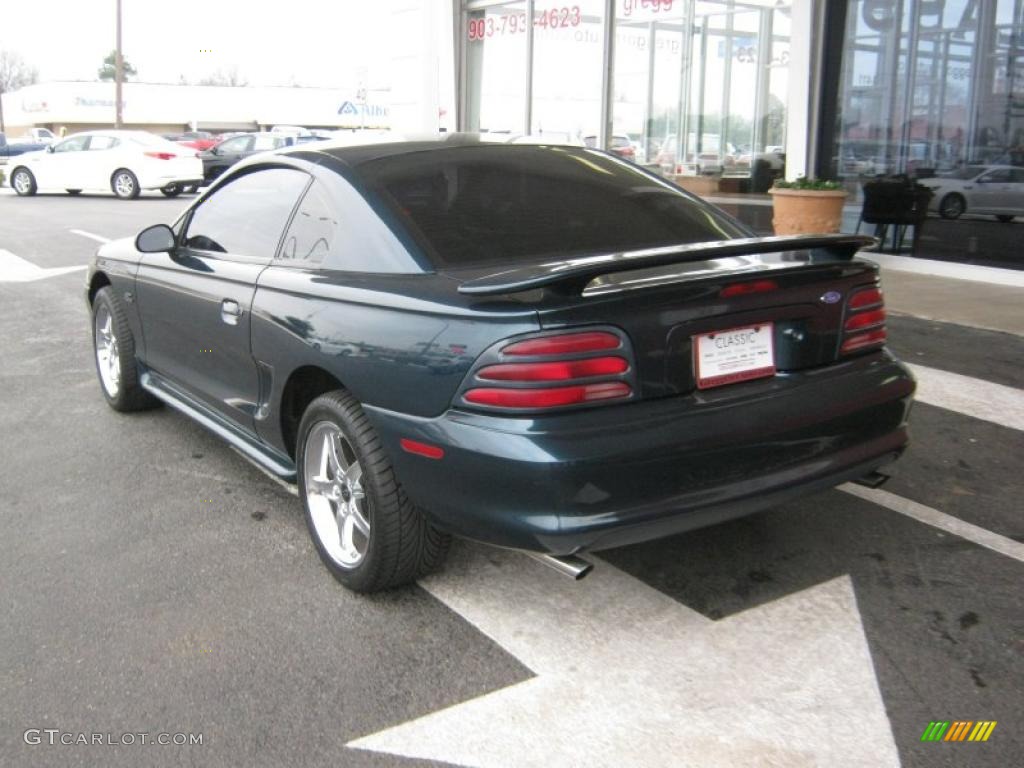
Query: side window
313, 229
265, 141
246, 216
102, 142
237, 144
74, 144
998, 176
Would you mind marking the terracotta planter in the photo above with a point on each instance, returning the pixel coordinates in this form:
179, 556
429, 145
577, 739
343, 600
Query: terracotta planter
701, 186
807, 211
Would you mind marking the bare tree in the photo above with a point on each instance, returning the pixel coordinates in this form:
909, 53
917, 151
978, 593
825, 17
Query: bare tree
225, 77
14, 74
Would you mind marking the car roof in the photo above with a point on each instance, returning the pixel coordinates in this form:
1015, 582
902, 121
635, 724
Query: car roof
363, 153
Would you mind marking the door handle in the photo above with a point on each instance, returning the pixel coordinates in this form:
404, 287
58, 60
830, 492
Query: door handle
230, 311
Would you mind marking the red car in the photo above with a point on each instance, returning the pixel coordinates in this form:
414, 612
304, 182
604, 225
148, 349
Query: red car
621, 145
198, 140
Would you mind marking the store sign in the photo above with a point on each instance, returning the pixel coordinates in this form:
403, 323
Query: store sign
362, 110
631, 7
81, 101
34, 105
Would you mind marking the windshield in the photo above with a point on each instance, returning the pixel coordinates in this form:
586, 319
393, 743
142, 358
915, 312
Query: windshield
503, 204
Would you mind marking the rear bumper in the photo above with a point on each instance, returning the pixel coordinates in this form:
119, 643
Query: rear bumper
618, 475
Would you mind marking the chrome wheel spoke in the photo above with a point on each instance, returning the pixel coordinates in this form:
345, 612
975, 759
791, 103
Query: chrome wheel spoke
335, 496
361, 523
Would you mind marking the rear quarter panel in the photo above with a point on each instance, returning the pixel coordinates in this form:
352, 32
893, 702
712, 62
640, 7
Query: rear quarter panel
399, 342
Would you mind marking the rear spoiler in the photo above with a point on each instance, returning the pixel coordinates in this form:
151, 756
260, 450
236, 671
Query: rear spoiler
577, 272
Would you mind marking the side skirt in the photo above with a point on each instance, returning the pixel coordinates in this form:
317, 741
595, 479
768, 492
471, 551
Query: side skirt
263, 456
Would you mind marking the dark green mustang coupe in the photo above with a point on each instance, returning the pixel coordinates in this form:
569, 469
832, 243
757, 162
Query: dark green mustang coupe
538, 347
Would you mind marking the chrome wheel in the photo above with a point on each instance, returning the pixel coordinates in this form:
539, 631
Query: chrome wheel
337, 503
22, 183
124, 185
108, 362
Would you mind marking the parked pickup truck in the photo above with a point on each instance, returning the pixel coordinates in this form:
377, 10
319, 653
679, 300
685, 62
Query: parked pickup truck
14, 148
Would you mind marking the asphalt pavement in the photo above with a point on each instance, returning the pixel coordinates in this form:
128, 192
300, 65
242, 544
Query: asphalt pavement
155, 582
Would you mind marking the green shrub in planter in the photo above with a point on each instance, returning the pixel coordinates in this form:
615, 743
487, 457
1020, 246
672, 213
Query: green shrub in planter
802, 182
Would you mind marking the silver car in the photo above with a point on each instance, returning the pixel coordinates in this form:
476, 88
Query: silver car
995, 190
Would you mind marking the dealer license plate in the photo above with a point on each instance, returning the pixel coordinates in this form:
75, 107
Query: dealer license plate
738, 354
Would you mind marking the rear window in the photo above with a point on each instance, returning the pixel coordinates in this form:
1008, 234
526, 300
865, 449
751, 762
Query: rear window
503, 204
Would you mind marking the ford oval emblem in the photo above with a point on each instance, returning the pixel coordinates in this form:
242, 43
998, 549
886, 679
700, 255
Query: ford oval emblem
831, 297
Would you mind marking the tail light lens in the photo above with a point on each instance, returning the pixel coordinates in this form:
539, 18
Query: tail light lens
864, 327
552, 371
161, 155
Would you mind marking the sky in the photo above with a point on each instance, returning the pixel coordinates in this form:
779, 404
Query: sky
318, 43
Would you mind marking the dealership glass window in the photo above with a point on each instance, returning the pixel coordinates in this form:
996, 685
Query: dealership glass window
926, 88
496, 70
703, 86
567, 63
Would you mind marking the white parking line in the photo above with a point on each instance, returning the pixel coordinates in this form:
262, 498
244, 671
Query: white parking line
933, 517
970, 396
90, 235
14, 269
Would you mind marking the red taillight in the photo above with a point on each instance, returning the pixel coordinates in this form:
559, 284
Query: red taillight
554, 371
742, 289
566, 344
549, 397
865, 320
557, 371
864, 328
161, 155
866, 298
860, 341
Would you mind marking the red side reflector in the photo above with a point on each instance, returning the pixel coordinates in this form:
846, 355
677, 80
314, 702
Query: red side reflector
551, 397
867, 298
160, 155
742, 289
564, 344
421, 449
865, 320
555, 371
863, 341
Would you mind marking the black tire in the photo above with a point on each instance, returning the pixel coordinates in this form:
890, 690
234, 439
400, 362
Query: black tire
23, 182
1005, 218
402, 544
124, 184
129, 395
73, 192
171, 190
191, 189
952, 206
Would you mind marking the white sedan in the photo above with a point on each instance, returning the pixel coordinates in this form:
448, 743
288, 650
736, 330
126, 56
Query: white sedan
125, 162
994, 190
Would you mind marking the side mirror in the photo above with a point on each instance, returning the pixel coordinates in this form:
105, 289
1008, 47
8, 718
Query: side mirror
156, 239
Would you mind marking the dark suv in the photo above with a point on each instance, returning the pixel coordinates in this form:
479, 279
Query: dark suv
539, 347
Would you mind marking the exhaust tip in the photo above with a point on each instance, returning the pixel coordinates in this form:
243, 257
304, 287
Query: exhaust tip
568, 565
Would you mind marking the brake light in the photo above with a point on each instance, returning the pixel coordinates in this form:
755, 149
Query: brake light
564, 345
753, 286
552, 397
553, 371
864, 328
161, 155
559, 371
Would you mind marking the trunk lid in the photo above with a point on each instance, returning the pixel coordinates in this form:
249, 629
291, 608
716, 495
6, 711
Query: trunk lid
664, 298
